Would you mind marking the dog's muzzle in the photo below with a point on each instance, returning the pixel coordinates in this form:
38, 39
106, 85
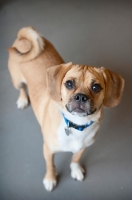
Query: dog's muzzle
81, 105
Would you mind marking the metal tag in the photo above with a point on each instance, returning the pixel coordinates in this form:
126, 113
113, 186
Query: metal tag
67, 131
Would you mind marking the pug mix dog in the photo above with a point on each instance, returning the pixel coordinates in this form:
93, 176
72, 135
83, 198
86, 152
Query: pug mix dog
67, 99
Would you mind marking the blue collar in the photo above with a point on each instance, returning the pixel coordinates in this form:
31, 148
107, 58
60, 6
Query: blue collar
78, 127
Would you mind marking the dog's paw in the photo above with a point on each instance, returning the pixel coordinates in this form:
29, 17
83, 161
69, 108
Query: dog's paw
22, 103
49, 184
77, 172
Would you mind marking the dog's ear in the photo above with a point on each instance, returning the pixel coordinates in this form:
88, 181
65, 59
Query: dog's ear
114, 85
54, 79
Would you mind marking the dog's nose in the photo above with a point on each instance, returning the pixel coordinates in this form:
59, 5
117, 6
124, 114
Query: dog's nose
81, 98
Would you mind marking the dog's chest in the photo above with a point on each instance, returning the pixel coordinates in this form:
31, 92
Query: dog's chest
76, 139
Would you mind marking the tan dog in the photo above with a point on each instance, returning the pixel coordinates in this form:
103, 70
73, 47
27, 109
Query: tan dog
67, 99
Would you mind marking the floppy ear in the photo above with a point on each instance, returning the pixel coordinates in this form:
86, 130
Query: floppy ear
114, 85
54, 79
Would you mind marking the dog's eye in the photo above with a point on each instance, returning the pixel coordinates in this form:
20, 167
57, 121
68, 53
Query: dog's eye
96, 87
70, 84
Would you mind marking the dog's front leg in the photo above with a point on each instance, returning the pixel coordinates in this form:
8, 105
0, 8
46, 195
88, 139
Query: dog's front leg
50, 177
77, 172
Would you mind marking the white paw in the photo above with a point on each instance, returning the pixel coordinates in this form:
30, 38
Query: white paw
49, 184
22, 103
77, 172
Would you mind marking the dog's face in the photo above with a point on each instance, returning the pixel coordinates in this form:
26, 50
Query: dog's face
82, 90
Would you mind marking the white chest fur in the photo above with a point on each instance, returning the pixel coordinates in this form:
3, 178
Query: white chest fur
76, 140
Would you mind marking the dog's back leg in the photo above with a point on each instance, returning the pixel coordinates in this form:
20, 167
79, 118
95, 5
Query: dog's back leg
19, 83
23, 100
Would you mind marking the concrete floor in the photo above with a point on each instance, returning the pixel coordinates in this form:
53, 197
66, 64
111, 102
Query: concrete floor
90, 32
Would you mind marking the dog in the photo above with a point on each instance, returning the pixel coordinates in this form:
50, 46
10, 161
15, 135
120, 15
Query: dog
67, 99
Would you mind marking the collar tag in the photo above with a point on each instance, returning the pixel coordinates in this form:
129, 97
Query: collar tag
67, 130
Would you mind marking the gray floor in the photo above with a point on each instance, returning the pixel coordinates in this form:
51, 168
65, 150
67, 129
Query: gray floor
90, 32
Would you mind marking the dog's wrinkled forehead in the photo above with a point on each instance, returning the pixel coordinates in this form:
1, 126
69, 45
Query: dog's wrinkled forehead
84, 75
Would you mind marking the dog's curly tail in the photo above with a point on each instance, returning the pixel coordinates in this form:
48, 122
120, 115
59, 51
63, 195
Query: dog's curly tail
28, 45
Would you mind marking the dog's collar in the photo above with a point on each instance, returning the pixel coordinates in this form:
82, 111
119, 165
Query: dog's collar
75, 126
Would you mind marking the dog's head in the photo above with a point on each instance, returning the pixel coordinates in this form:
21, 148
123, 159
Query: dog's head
83, 90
